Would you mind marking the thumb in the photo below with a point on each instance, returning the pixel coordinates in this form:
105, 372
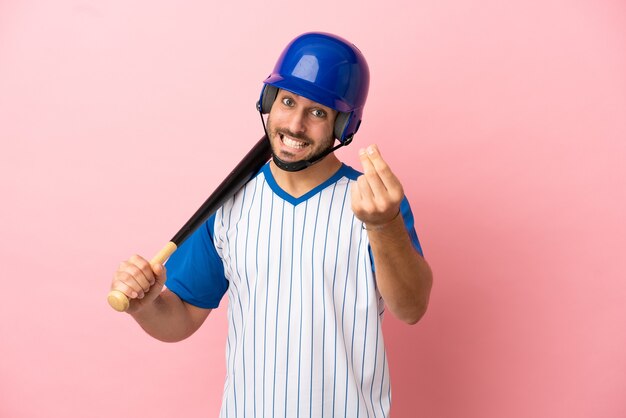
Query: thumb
160, 274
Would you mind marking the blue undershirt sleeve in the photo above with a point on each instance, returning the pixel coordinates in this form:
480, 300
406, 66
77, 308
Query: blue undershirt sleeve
195, 271
409, 223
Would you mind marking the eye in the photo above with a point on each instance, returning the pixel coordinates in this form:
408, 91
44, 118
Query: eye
287, 101
318, 113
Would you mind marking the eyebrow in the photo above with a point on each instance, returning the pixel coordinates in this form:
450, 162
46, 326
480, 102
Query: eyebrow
282, 94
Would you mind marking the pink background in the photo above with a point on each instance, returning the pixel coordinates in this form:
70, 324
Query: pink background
506, 121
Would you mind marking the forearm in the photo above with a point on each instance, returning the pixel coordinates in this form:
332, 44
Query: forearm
403, 277
170, 319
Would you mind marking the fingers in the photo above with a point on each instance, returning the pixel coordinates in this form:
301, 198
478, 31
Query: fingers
377, 172
377, 194
135, 277
372, 183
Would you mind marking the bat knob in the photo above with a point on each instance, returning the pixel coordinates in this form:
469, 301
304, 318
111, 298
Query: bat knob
118, 300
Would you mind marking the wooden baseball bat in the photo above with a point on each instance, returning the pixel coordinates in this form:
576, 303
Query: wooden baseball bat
240, 175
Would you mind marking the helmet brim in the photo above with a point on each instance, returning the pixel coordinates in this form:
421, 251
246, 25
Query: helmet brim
310, 91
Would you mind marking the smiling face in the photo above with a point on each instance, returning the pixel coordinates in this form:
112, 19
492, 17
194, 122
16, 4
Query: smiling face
299, 129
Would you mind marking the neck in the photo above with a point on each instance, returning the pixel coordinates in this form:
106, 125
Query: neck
298, 183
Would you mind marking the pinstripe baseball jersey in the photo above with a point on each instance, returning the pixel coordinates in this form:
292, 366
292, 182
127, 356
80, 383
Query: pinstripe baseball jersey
304, 313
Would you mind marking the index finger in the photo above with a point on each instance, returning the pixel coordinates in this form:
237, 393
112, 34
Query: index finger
390, 181
373, 180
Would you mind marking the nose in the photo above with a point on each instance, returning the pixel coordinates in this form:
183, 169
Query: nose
297, 124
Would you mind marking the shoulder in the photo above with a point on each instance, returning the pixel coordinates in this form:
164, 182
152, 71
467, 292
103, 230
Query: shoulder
348, 172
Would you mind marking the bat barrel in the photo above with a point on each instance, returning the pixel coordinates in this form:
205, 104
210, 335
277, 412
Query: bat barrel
247, 168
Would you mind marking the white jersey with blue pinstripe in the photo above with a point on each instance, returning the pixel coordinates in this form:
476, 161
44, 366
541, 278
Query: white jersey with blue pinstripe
304, 313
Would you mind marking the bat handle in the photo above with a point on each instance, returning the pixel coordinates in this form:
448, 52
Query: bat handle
118, 300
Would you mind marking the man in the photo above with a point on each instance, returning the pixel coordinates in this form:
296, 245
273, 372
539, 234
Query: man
309, 251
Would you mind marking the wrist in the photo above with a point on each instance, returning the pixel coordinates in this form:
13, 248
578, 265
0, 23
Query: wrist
381, 226
143, 308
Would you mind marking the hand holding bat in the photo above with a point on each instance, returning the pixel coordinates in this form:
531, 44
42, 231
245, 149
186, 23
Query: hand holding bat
139, 280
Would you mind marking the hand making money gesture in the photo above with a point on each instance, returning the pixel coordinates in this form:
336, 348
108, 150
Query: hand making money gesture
377, 194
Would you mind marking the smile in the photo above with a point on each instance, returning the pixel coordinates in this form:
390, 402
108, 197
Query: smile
292, 143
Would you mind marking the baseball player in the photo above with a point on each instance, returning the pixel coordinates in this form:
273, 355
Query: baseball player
310, 253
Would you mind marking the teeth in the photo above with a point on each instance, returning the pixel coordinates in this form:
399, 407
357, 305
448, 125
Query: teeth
293, 143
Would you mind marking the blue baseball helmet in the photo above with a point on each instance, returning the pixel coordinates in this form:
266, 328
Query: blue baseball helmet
327, 69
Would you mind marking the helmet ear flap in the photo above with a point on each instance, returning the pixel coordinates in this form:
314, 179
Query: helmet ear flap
346, 126
268, 96
341, 123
